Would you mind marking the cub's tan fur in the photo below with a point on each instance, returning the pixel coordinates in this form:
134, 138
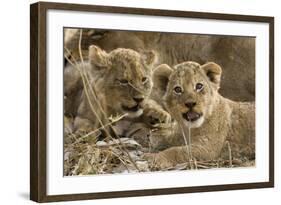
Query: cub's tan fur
121, 81
213, 119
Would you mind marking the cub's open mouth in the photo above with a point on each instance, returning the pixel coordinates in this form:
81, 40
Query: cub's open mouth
191, 116
131, 109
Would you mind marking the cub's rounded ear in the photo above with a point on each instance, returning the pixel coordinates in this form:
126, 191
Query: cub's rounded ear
149, 57
213, 72
160, 77
98, 57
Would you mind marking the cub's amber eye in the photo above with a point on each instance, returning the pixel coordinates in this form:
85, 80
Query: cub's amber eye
178, 90
123, 82
199, 87
144, 80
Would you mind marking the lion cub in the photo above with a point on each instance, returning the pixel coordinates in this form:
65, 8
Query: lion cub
118, 83
190, 94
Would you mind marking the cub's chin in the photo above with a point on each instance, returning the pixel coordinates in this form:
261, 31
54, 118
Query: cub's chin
135, 114
194, 124
193, 119
132, 112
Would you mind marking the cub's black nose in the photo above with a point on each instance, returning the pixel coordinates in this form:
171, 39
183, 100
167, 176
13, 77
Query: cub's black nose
138, 99
190, 104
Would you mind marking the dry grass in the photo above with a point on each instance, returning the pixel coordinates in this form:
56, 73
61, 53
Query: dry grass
100, 157
90, 156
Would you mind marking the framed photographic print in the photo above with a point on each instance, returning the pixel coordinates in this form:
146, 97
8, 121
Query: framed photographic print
134, 102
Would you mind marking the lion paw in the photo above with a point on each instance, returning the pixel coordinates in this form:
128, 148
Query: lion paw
156, 116
158, 161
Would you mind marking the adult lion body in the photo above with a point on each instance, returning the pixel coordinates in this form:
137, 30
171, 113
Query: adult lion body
190, 94
235, 54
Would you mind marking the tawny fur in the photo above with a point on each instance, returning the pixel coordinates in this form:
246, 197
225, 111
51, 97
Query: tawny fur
235, 54
119, 79
224, 120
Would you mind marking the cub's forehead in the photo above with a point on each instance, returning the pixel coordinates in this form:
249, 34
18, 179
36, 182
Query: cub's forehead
188, 66
128, 61
125, 57
186, 70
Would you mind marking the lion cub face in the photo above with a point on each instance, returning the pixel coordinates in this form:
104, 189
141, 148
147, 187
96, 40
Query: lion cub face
190, 90
124, 78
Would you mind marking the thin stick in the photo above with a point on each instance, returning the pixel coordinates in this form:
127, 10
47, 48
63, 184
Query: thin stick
195, 163
187, 139
94, 94
91, 88
121, 160
85, 78
135, 88
104, 163
229, 153
102, 127
76, 65
121, 146
189, 142
86, 91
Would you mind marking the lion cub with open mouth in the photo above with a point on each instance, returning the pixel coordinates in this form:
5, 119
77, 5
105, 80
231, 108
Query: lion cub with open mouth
189, 92
110, 84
